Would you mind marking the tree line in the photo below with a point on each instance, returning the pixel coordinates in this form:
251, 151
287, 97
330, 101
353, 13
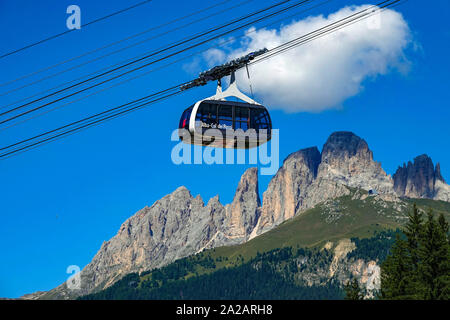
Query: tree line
418, 266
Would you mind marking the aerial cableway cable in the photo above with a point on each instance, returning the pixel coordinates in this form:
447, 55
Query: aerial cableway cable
223, 43
92, 73
123, 109
115, 52
108, 67
70, 30
154, 61
86, 125
173, 45
99, 120
107, 114
112, 44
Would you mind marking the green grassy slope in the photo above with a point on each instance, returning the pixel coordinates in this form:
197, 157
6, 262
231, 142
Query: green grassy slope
354, 216
344, 217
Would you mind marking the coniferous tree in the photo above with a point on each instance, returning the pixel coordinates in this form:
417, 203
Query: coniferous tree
413, 231
418, 267
435, 260
443, 224
396, 272
414, 234
444, 280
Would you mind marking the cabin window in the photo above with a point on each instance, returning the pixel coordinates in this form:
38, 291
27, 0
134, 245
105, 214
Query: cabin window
225, 117
242, 118
184, 121
207, 115
260, 119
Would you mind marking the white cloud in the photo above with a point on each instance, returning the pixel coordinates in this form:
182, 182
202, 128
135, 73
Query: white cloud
214, 56
323, 73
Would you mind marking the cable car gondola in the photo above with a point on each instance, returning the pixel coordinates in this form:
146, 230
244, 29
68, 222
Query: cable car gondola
217, 122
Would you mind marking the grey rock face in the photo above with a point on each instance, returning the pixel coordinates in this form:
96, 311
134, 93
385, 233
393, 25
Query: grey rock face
437, 173
347, 160
421, 179
174, 227
309, 177
243, 213
343, 145
179, 225
286, 193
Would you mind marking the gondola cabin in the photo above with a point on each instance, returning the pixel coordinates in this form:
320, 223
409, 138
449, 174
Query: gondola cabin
217, 122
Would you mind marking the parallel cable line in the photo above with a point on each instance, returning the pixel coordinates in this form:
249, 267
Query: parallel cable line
381, 6
145, 65
68, 31
100, 70
84, 126
120, 50
93, 116
174, 45
166, 65
112, 44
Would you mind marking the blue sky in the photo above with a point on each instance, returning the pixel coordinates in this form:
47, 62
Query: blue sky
59, 202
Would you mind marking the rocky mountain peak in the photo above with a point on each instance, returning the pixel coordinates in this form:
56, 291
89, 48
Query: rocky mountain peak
420, 179
181, 190
347, 160
286, 193
243, 212
344, 145
178, 224
248, 186
199, 199
437, 173
214, 200
308, 177
173, 227
310, 157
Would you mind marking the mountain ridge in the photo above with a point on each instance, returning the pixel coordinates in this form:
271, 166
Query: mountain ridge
420, 179
179, 225
349, 237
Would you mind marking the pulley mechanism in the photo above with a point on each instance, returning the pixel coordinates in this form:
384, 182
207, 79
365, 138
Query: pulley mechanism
218, 72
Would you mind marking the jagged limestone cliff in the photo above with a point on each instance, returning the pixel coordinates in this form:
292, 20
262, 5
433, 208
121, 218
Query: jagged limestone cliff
173, 227
421, 179
179, 224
